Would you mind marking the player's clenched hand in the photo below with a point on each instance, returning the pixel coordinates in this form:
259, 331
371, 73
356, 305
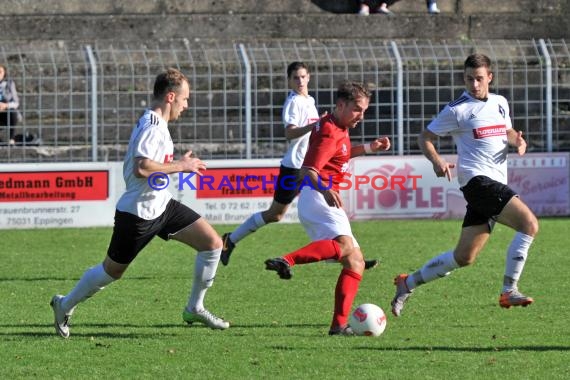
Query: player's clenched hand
333, 198
191, 164
382, 143
443, 169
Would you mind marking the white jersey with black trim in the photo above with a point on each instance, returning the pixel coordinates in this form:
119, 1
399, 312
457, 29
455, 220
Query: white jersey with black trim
298, 110
150, 139
479, 130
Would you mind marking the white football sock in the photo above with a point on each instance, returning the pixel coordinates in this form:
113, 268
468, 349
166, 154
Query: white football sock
251, 224
438, 267
516, 258
93, 280
204, 274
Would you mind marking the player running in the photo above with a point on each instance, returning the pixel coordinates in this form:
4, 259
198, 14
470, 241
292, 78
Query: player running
481, 128
144, 211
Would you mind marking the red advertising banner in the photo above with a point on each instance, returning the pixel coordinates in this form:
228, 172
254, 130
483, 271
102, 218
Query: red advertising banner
235, 183
54, 186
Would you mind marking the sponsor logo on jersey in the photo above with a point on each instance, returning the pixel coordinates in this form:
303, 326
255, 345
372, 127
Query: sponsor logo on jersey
168, 158
472, 116
502, 111
490, 131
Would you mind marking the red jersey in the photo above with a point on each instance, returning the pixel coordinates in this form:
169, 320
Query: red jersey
329, 151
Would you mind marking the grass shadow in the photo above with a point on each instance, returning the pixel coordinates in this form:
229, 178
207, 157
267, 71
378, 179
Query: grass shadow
540, 348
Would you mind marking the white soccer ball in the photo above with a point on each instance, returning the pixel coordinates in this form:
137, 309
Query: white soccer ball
368, 320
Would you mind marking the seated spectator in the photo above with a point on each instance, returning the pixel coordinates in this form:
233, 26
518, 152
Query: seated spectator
9, 103
373, 6
367, 6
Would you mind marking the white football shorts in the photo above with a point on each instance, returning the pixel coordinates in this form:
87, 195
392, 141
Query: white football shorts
321, 221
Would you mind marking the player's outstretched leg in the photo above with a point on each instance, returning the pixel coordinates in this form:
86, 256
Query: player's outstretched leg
402, 294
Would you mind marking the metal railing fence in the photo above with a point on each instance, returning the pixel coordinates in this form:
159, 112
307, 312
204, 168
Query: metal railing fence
82, 101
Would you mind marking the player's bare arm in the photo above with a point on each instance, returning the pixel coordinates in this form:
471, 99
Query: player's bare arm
440, 166
294, 131
331, 196
378, 145
515, 139
144, 167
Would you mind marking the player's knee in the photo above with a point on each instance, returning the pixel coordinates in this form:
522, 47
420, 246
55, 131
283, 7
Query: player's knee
273, 217
531, 227
353, 259
113, 269
275, 213
465, 256
464, 261
211, 243
357, 264
217, 243
115, 274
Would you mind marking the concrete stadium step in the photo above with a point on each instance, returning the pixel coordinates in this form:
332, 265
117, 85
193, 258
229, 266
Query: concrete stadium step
90, 22
248, 27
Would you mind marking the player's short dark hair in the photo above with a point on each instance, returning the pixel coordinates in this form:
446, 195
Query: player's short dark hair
350, 91
477, 60
294, 66
167, 81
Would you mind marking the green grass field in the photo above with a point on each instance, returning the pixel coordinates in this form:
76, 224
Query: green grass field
452, 328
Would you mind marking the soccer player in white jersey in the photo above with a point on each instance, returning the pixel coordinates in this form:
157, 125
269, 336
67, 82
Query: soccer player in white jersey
299, 117
145, 211
481, 128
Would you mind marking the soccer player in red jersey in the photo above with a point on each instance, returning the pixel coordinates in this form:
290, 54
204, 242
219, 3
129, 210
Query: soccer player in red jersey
320, 206
300, 115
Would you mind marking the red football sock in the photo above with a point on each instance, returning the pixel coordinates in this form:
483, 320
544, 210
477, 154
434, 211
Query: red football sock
316, 251
346, 289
